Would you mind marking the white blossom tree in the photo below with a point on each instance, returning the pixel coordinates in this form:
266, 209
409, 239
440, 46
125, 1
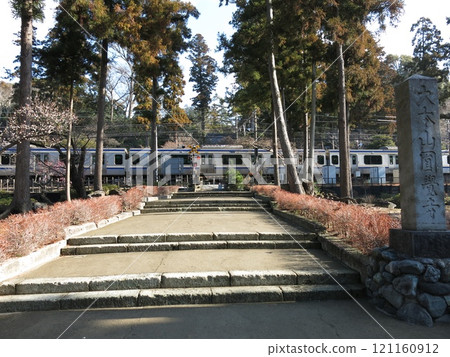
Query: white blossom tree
46, 125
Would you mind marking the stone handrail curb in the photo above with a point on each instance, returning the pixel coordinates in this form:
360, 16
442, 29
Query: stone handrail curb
16, 266
334, 246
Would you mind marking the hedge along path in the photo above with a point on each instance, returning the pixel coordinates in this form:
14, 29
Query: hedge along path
23, 234
363, 228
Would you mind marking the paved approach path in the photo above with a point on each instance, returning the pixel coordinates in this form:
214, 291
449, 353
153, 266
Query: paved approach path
159, 224
221, 257
192, 222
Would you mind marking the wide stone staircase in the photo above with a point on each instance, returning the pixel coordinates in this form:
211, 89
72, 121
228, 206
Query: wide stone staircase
226, 260
207, 201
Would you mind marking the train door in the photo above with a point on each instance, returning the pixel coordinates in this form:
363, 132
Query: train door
393, 173
207, 166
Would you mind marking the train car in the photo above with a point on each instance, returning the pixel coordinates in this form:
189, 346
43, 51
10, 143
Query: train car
175, 166
446, 165
214, 161
8, 163
43, 161
114, 162
368, 166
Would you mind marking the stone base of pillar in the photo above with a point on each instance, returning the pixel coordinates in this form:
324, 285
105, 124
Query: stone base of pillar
426, 244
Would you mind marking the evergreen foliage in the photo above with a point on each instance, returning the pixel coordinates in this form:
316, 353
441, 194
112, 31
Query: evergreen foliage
203, 75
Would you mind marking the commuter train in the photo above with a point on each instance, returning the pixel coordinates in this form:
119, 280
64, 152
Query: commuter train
175, 166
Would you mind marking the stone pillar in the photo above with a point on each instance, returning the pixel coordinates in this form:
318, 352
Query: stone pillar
423, 232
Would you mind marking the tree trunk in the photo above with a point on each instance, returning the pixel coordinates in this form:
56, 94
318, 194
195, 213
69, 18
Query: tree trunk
345, 175
203, 125
130, 97
291, 168
276, 174
154, 133
69, 141
77, 173
313, 124
21, 202
306, 147
98, 173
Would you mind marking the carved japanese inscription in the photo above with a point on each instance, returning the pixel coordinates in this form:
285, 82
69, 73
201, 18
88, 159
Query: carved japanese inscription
420, 157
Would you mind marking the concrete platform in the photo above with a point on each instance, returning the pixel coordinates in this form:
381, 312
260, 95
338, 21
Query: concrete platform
195, 258
197, 222
325, 319
183, 261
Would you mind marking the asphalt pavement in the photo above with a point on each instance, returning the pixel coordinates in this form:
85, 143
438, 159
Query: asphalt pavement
331, 319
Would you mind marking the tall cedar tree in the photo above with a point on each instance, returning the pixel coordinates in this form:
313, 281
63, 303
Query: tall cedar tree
343, 23
291, 166
203, 75
27, 10
156, 32
250, 55
67, 57
431, 55
322, 23
101, 20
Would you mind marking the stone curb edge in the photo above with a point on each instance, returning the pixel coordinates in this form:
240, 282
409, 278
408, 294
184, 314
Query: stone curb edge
334, 246
190, 296
16, 266
176, 280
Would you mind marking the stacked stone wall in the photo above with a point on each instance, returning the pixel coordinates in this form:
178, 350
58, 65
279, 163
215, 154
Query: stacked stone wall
416, 290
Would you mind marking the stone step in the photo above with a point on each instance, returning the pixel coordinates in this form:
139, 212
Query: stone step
194, 245
177, 296
189, 237
178, 280
188, 194
173, 289
205, 203
203, 209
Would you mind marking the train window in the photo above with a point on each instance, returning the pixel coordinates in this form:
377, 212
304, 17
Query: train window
393, 159
235, 159
321, 159
373, 159
258, 159
41, 158
354, 160
334, 160
118, 159
184, 157
206, 159
6, 159
135, 159
448, 159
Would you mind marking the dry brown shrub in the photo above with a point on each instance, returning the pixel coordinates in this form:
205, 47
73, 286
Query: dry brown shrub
21, 234
133, 197
166, 190
363, 228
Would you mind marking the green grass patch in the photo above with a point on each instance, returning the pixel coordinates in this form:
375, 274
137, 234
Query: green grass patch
5, 198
